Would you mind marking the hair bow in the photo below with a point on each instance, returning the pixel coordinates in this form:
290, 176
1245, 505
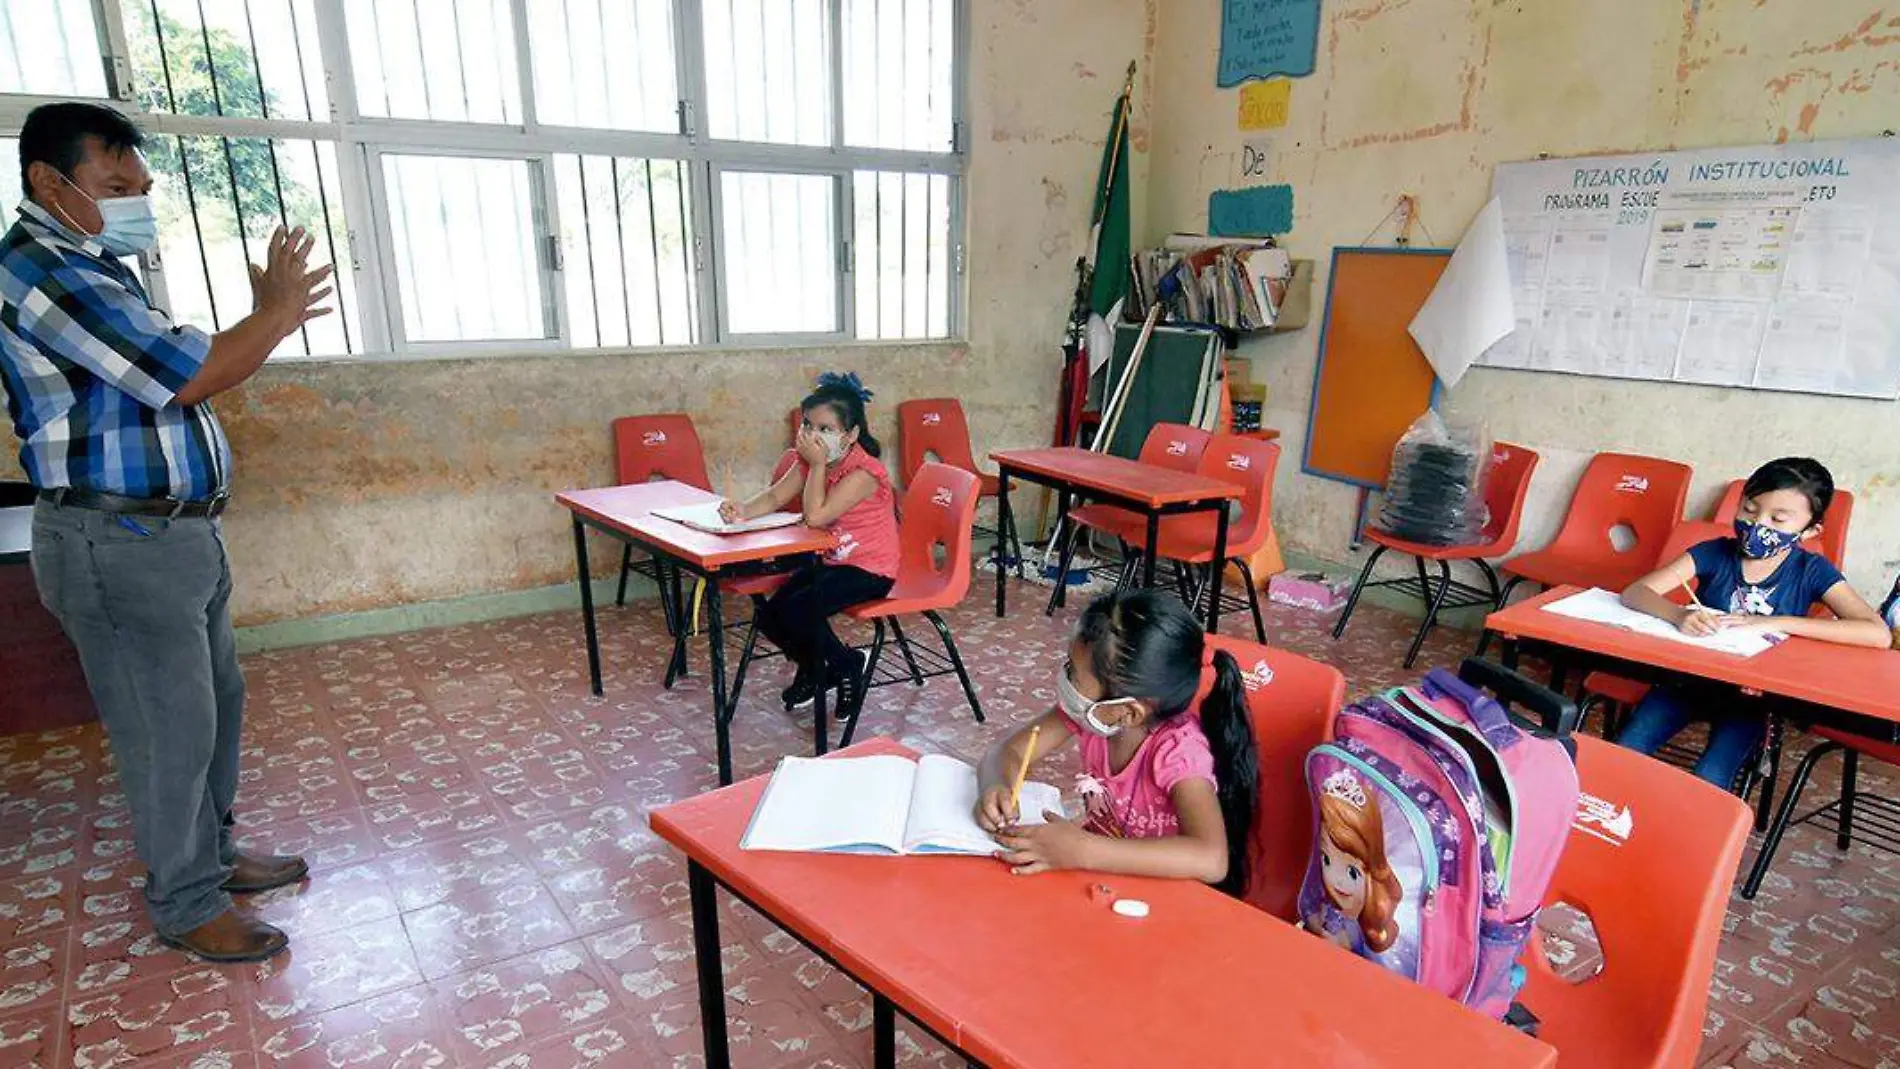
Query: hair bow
846, 380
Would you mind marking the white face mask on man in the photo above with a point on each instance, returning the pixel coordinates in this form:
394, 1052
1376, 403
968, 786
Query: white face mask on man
1082, 711
130, 224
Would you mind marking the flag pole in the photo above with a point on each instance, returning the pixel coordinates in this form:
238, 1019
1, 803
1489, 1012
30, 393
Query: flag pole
1076, 330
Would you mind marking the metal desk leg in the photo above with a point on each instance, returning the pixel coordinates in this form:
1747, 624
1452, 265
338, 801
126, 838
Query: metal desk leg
883, 1033
682, 620
1004, 519
1219, 577
716, 643
1764, 806
587, 603
1062, 560
1148, 553
1508, 655
712, 979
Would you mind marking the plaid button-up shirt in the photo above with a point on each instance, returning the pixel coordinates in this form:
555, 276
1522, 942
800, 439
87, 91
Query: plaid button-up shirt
92, 372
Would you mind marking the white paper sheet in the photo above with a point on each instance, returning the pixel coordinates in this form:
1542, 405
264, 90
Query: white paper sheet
1604, 607
1471, 307
706, 518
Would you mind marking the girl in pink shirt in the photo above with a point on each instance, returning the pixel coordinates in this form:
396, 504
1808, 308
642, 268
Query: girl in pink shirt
840, 486
1175, 790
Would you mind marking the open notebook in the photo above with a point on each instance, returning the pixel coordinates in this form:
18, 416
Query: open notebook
1604, 607
706, 518
879, 805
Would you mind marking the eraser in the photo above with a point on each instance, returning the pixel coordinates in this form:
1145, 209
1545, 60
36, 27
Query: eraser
1102, 894
1131, 907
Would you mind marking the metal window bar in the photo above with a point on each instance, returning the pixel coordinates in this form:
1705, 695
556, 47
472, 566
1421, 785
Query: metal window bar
184, 161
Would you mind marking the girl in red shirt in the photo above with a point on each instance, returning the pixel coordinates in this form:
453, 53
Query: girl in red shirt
842, 487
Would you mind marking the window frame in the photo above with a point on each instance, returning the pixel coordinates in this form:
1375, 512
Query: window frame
362, 141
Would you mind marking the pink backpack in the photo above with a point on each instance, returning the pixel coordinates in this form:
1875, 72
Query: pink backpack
1439, 823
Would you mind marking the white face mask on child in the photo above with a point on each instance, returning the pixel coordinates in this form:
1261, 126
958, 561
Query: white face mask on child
1081, 710
835, 445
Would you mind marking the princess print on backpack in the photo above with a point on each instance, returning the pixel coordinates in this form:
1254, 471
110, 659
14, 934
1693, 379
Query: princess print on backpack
1368, 870
1362, 894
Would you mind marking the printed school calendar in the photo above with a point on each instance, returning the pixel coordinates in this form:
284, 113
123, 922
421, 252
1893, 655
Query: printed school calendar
1773, 267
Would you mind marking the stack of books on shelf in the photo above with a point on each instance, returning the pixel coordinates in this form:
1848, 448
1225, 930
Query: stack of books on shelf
1239, 285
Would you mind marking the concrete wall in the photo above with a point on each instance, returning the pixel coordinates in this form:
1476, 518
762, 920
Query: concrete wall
1426, 96
368, 485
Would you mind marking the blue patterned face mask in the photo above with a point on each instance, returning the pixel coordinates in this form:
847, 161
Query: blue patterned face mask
1760, 541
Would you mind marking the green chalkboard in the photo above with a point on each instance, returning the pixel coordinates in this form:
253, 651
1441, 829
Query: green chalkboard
1168, 384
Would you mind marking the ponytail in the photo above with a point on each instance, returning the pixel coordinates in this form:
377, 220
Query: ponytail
1228, 725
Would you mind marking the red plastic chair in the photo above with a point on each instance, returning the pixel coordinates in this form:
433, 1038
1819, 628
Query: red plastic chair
1175, 446
1617, 489
796, 421
933, 573
646, 448
1841, 811
936, 426
1833, 541
1651, 858
1506, 485
1293, 700
1189, 540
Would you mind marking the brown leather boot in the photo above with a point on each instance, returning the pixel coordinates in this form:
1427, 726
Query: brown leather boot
250, 874
230, 937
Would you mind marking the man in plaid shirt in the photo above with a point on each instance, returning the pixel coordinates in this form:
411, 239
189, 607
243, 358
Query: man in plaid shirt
111, 402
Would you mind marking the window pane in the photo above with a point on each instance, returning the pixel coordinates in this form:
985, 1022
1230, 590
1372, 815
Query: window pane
14, 192
218, 200
626, 237
263, 57
897, 74
901, 239
604, 63
51, 47
768, 70
778, 242
463, 236
450, 60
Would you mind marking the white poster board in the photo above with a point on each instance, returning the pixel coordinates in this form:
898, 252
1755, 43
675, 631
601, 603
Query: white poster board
1774, 268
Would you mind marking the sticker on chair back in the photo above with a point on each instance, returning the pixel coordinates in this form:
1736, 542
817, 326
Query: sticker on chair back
931, 419
653, 438
1633, 484
942, 497
1177, 448
1604, 820
1258, 676
1239, 461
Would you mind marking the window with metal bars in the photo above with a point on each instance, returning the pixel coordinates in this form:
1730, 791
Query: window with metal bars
527, 174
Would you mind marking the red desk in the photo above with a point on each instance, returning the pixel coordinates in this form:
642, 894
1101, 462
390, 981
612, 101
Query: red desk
1854, 687
626, 513
1152, 491
1028, 972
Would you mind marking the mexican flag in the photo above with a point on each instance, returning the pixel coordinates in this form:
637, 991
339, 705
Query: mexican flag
1108, 238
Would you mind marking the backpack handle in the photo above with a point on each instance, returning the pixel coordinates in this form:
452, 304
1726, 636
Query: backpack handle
1557, 714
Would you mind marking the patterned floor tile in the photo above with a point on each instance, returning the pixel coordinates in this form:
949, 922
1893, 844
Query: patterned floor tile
508, 1007
400, 1030
194, 1013
322, 972
482, 927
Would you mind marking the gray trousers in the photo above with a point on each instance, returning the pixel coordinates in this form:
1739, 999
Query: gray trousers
147, 603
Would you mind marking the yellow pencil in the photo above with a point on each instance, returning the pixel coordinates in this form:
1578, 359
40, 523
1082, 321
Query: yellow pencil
1029, 753
1686, 589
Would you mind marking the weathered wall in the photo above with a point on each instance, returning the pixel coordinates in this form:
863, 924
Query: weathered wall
368, 485
1425, 96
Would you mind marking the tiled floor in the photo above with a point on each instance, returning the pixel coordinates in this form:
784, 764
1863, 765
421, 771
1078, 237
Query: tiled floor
486, 891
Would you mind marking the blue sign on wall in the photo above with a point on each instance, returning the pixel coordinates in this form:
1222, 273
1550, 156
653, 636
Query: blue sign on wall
1263, 38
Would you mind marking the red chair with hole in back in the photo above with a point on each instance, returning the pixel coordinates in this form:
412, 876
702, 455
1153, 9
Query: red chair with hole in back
936, 426
1293, 701
933, 573
1651, 857
1505, 487
646, 448
1643, 494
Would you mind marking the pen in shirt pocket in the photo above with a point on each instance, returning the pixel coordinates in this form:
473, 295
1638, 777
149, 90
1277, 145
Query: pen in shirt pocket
134, 526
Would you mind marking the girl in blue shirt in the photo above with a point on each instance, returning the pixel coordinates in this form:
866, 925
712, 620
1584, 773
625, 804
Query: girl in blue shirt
1762, 579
